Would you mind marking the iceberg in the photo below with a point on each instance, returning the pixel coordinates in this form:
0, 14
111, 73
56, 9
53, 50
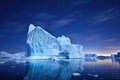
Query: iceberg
116, 57
91, 57
42, 44
4, 54
16, 56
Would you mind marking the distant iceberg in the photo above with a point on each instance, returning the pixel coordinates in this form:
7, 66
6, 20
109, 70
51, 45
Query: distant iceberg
4, 54
43, 44
15, 56
90, 56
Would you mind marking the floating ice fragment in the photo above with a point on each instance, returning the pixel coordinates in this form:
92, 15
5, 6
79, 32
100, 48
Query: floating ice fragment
76, 74
95, 75
2, 62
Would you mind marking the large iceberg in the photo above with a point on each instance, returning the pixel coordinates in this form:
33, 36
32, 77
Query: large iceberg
42, 44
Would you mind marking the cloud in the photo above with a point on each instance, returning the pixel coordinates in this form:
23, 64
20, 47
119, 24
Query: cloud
4, 30
111, 40
13, 27
63, 22
109, 52
45, 16
106, 52
113, 47
43, 19
92, 37
55, 21
80, 37
105, 16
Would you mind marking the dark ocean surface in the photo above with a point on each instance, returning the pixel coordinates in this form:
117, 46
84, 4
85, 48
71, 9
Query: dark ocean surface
65, 69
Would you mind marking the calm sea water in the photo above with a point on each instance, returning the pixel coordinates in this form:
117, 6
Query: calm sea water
72, 69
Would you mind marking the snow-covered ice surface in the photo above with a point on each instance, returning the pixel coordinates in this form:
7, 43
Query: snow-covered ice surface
41, 43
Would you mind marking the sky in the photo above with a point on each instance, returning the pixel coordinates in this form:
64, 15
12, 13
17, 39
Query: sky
95, 24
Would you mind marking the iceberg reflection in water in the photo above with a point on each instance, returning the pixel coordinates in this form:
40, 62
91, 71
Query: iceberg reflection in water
67, 69
53, 70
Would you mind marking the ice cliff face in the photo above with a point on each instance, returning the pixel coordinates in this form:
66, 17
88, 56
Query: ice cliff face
42, 43
74, 50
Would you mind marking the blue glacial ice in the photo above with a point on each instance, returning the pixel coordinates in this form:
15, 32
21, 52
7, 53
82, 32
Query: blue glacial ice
74, 50
42, 44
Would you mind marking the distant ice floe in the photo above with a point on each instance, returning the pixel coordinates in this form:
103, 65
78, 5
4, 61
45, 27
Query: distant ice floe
76, 74
16, 56
94, 75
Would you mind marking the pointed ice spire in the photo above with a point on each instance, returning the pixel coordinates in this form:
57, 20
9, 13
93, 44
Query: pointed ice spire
31, 28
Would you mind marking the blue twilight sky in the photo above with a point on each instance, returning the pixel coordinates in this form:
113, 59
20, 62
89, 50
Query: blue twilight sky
93, 23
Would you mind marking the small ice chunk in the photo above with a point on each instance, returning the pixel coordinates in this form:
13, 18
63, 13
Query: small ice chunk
76, 74
95, 75
2, 62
